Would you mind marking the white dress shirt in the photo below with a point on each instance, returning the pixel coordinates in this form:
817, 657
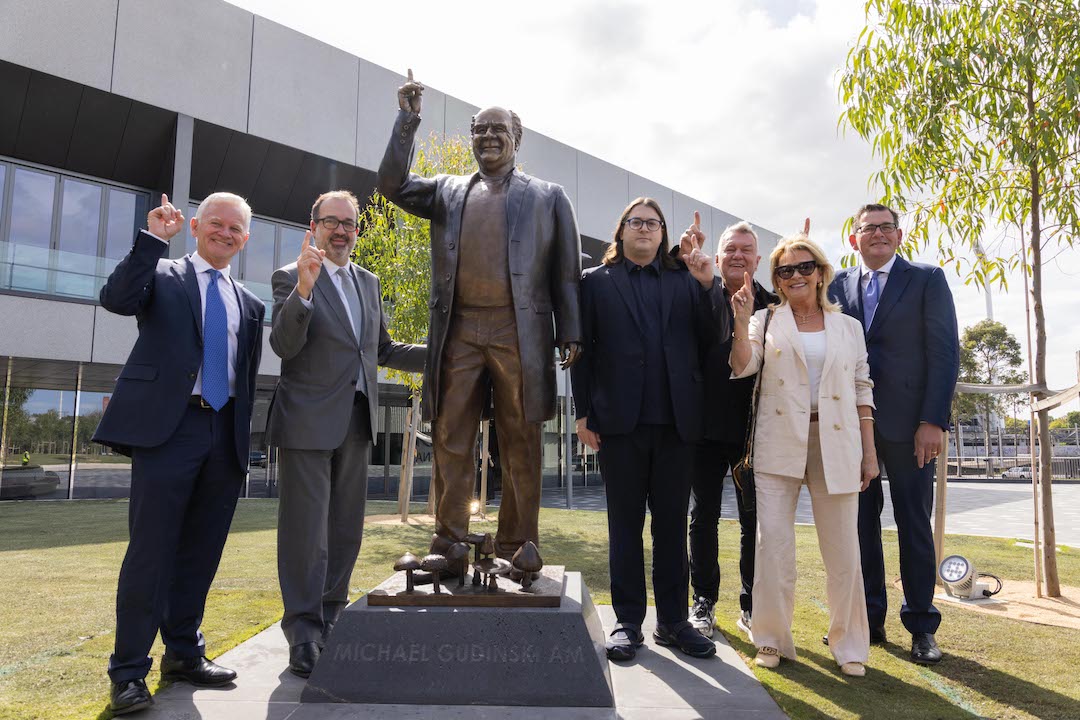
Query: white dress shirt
337, 277
882, 278
232, 310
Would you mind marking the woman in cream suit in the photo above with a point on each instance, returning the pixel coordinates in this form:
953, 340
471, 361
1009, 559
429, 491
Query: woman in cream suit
814, 426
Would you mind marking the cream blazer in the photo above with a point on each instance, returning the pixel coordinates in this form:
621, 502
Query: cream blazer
783, 413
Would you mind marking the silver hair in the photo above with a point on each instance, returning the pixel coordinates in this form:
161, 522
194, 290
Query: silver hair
740, 227
226, 197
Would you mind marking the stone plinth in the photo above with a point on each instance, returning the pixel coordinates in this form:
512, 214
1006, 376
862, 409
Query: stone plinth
547, 657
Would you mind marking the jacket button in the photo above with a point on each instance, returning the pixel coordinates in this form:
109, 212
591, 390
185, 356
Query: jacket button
451, 246
405, 127
448, 276
401, 142
779, 411
781, 381
444, 308
836, 426
191, 376
777, 351
835, 397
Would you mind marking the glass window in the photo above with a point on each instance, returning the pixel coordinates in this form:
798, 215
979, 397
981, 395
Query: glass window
292, 239
80, 219
3, 178
38, 434
100, 471
127, 211
31, 229
259, 253
189, 239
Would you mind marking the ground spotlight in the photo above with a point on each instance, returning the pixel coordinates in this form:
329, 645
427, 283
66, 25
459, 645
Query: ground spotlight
962, 580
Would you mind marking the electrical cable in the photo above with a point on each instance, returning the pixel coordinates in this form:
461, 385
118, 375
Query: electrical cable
995, 591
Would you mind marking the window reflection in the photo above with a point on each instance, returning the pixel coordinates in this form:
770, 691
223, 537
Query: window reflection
80, 218
31, 229
38, 440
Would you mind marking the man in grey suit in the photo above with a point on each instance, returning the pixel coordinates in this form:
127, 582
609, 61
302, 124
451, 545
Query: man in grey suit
330, 332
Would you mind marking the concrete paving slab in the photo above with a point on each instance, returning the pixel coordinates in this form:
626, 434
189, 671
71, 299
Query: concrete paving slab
659, 684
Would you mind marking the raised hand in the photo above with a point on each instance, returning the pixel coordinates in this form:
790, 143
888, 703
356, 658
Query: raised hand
690, 244
806, 227
410, 95
308, 267
692, 239
742, 302
165, 221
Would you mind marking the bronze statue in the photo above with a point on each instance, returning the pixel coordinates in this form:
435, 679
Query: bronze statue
505, 270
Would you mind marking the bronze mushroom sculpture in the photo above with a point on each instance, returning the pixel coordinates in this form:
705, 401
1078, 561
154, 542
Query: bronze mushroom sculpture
409, 563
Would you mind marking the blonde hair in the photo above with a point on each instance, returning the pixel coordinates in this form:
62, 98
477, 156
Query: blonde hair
800, 241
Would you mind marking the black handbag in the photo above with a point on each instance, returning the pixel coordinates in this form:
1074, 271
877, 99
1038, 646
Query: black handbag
743, 472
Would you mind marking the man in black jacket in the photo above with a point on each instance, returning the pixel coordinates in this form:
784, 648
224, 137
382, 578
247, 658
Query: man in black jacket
638, 390
727, 410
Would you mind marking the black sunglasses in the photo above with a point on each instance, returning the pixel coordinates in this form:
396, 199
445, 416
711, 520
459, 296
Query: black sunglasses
805, 269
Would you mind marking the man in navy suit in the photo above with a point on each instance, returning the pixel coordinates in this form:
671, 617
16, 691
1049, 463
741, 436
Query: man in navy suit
639, 392
909, 318
181, 409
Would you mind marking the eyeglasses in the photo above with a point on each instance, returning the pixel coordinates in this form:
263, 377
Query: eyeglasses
786, 272
636, 223
483, 128
868, 229
331, 223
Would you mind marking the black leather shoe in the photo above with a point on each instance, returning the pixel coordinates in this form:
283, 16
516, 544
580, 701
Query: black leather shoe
129, 696
623, 642
683, 636
302, 658
197, 671
924, 649
877, 637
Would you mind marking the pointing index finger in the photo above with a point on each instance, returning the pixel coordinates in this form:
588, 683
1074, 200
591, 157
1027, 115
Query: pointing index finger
307, 241
697, 219
410, 75
164, 199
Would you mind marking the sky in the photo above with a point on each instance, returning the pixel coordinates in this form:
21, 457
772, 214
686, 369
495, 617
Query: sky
733, 102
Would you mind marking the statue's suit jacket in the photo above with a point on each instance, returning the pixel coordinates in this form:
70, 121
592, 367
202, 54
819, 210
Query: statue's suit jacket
321, 359
154, 386
544, 256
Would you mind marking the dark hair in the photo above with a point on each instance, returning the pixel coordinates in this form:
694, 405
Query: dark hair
515, 126
873, 207
614, 252
337, 194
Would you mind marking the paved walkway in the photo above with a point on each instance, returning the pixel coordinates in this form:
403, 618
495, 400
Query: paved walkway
971, 508
659, 684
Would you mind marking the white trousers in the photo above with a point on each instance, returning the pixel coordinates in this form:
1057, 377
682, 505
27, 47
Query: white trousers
836, 519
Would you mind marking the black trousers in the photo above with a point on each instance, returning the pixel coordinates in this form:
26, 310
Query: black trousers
712, 460
183, 494
912, 492
648, 467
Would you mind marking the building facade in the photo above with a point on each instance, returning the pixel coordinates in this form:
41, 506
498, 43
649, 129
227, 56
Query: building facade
101, 110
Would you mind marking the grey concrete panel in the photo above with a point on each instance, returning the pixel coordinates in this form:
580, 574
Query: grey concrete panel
192, 57
46, 329
458, 116
683, 214
603, 191
550, 160
73, 40
303, 92
114, 336
643, 187
378, 108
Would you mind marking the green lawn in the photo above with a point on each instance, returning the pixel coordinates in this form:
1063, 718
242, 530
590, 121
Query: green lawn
60, 562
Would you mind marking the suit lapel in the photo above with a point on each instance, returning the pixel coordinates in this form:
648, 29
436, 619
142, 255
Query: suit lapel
365, 293
833, 330
898, 279
784, 322
668, 286
514, 195
191, 287
325, 285
622, 285
853, 292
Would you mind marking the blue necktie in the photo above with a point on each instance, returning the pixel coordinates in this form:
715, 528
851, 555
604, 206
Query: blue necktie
870, 299
215, 368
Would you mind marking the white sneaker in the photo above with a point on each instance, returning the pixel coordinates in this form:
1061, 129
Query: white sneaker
702, 617
743, 623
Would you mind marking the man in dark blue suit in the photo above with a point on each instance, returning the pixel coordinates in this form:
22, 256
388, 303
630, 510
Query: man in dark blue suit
181, 409
639, 394
913, 349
